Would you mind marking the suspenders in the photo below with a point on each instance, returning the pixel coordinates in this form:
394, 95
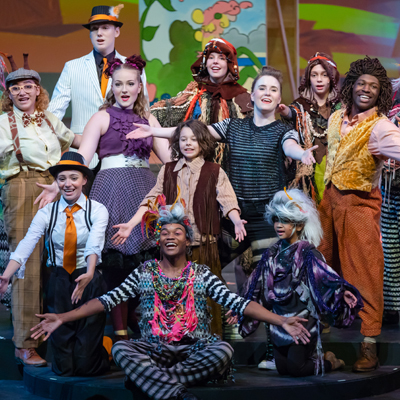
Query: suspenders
15, 136
53, 220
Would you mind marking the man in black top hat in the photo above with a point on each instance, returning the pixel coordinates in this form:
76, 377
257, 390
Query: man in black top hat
82, 81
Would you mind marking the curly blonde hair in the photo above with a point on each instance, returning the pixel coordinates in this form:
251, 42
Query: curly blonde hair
141, 106
42, 101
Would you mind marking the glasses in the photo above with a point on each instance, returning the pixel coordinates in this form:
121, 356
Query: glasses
28, 88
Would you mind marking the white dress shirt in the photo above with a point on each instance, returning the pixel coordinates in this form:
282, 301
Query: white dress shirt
88, 242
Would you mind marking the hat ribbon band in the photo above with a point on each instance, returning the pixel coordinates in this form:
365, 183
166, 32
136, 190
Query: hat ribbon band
102, 17
68, 162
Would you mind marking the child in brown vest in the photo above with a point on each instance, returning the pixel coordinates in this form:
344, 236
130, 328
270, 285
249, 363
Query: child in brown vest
206, 190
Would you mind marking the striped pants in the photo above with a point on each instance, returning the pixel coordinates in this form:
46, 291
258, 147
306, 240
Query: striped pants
163, 375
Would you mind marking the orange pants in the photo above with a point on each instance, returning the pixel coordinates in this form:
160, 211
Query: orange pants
352, 247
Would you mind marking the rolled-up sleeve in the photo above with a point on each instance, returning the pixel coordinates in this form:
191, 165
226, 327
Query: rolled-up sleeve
226, 196
384, 141
37, 228
95, 242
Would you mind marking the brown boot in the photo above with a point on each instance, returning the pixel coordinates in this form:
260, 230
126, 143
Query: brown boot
368, 360
29, 357
336, 362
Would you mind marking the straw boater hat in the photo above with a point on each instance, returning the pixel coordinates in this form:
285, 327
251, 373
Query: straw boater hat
105, 14
19, 74
71, 161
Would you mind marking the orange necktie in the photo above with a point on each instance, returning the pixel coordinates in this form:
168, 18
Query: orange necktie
70, 239
104, 79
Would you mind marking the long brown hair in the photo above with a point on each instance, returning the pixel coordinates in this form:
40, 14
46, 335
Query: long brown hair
134, 63
42, 100
206, 141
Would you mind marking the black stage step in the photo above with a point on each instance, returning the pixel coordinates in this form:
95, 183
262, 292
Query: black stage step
249, 383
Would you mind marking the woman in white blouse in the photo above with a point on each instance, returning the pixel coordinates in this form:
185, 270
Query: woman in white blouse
75, 230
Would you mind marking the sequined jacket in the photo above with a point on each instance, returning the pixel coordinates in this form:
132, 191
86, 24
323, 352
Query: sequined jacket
206, 284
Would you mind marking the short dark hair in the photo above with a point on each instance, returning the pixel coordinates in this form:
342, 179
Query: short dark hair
368, 66
268, 71
206, 141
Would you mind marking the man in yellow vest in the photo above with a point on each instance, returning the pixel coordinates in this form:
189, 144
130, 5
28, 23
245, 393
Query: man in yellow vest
360, 138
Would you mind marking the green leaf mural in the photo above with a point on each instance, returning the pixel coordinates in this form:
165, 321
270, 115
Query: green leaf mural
149, 32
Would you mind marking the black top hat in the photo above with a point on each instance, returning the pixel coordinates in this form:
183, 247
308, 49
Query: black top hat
105, 14
71, 160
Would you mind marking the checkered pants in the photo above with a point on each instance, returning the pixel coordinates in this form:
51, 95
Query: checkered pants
163, 375
18, 195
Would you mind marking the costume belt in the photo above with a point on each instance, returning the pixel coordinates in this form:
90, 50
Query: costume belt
121, 161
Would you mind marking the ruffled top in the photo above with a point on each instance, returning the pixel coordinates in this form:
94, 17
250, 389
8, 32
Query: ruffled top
114, 141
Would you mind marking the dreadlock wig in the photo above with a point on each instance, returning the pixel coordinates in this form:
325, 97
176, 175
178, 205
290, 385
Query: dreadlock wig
368, 66
296, 207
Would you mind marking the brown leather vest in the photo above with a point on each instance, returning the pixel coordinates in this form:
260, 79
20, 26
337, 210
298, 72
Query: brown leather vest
205, 205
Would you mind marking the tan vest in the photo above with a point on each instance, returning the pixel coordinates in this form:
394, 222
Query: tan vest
350, 165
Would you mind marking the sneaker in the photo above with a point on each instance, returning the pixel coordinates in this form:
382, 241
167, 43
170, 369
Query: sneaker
267, 364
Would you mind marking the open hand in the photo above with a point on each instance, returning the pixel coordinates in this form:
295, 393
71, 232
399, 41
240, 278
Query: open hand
122, 234
296, 330
283, 110
350, 299
48, 194
240, 231
308, 157
142, 131
82, 281
46, 327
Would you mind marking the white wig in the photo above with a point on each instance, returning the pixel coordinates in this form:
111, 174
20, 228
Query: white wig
175, 214
296, 207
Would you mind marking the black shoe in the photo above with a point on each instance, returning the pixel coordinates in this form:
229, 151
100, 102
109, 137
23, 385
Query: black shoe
129, 384
390, 318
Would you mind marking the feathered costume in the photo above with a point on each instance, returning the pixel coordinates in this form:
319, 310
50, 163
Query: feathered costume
295, 281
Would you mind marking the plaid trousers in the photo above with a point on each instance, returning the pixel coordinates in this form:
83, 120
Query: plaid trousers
163, 375
18, 195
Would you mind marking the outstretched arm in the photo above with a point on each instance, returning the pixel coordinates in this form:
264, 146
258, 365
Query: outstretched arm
11, 269
160, 146
291, 325
124, 230
53, 321
294, 151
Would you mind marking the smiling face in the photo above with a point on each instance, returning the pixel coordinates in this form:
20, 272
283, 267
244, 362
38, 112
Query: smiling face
173, 241
266, 94
217, 67
188, 144
70, 184
103, 37
287, 230
24, 101
126, 87
320, 82
366, 90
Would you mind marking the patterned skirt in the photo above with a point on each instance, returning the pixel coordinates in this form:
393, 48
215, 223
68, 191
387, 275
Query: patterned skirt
121, 191
390, 227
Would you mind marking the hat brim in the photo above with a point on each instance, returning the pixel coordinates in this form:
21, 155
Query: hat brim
56, 169
101, 21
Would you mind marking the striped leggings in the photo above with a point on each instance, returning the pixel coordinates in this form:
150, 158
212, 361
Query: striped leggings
164, 374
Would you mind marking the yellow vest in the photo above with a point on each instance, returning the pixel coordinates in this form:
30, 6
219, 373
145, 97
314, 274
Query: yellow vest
350, 165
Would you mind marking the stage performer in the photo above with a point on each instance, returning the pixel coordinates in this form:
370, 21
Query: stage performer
292, 278
125, 177
83, 83
31, 140
206, 191
359, 139
75, 228
176, 349
309, 113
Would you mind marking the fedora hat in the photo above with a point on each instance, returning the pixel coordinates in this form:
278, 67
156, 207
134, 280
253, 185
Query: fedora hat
105, 14
71, 160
